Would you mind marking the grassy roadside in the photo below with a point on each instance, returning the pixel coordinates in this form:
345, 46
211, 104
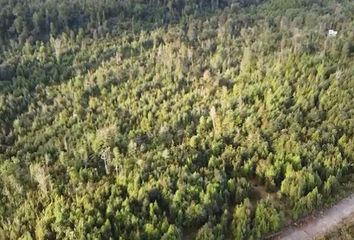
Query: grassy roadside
343, 232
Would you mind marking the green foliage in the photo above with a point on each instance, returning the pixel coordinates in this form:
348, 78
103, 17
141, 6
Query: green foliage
7, 72
267, 219
241, 224
171, 119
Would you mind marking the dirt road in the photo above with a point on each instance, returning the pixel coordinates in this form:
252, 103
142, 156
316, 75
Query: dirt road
324, 223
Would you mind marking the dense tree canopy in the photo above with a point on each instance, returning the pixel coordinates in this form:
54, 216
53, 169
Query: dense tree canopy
179, 119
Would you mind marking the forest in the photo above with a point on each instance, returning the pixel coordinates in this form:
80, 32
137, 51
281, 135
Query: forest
172, 119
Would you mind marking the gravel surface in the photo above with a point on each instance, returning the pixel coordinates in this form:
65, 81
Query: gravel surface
320, 225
